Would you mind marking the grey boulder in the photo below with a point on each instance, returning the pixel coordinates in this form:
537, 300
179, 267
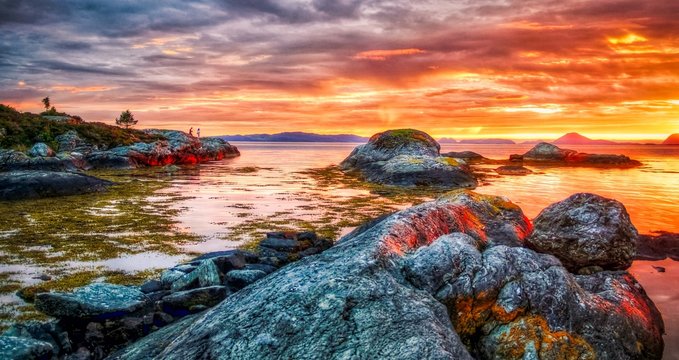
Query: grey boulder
407, 157
586, 230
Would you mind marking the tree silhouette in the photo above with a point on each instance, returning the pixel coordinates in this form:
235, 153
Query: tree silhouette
126, 119
46, 103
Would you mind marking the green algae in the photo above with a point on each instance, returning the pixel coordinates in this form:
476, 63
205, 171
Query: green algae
54, 235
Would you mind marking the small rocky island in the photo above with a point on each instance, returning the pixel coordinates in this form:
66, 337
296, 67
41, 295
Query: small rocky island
407, 157
466, 276
549, 154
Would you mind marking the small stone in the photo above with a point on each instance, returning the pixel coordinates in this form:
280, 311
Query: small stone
151, 286
660, 269
279, 244
205, 275
262, 267
179, 303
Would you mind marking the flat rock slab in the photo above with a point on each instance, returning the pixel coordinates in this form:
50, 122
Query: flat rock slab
20, 348
99, 300
29, 184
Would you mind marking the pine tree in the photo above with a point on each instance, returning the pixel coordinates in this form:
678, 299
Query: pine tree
126, 119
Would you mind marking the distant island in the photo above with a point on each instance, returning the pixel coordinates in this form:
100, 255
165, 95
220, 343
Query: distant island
488, 141
296, 136
571, 138
672, 140
577, 139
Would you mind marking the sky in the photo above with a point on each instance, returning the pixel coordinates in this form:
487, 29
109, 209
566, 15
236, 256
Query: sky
519, 69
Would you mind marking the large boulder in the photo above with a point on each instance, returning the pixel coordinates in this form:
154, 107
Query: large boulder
17, 185
426, 282
407, 157
586, 230
97, 301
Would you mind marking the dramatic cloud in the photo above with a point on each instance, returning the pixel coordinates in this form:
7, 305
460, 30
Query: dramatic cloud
514, 68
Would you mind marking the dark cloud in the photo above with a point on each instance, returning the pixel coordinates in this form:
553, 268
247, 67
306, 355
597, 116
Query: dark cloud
210, 51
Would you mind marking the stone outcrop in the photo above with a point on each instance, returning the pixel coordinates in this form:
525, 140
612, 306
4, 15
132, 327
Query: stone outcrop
435, 281
407, 157
75, 154
17, 185
586, 230
549, 154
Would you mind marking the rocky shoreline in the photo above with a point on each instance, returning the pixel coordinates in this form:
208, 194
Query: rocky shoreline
44, 172
465, 276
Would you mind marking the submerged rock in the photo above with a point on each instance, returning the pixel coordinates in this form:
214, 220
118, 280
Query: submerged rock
407, 157
28, 184
586, 230
429, 282
513, 170
98, 300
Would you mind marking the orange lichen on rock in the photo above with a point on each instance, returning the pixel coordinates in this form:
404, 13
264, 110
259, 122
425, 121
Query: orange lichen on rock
531, 335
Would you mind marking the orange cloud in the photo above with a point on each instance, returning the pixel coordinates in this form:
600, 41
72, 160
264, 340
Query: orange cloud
381, 55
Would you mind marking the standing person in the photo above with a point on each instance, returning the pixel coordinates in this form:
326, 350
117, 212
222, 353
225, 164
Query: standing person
198, 132
191, 131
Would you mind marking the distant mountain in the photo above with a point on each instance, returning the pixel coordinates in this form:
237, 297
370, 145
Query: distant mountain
295, 137
672, 140
487, 141
447, 141
531, 142
577, 139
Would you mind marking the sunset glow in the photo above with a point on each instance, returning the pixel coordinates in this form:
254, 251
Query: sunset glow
516, 69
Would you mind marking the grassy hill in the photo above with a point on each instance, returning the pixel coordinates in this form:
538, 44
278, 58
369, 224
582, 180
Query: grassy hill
21, 130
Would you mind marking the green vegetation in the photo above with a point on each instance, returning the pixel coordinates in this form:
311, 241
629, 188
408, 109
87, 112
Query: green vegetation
21, 130
65, 237
126, 119
396, 138
46, 103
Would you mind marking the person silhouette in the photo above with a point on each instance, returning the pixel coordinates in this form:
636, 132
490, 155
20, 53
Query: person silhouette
198, 132
191, 131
